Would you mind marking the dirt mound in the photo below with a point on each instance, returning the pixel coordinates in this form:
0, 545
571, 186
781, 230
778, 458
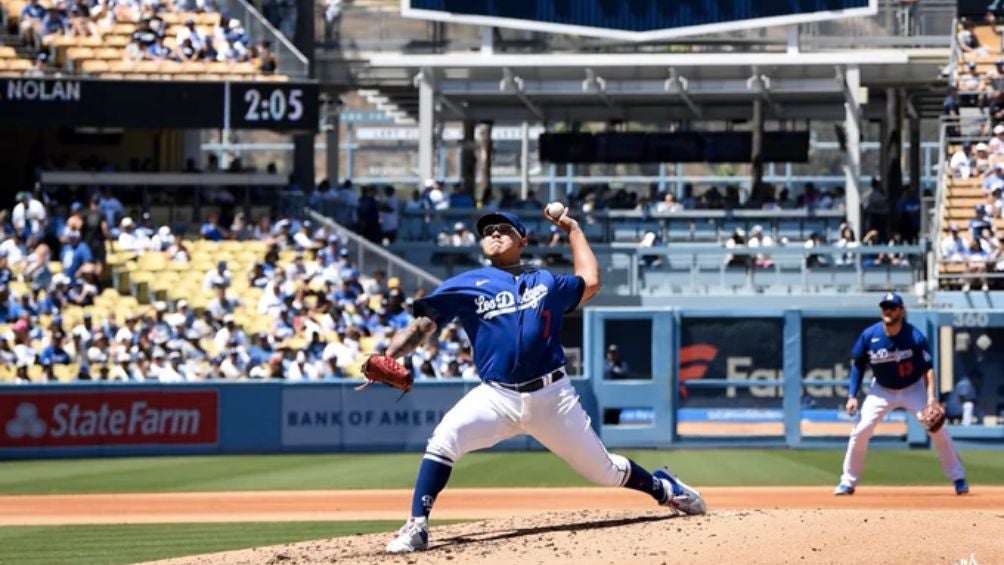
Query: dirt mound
617, 536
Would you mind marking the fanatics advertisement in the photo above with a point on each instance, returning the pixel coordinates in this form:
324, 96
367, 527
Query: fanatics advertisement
64, 419
737, 349
59, 102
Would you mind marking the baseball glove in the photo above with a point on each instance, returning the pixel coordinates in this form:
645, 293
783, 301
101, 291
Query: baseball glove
932, 417
384, 369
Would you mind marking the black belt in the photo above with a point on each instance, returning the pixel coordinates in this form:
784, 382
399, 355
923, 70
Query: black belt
533, 384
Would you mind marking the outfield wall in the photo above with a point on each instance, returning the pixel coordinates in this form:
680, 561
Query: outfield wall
703, 377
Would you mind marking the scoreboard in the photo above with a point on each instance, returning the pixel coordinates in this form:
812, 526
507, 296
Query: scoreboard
635, 19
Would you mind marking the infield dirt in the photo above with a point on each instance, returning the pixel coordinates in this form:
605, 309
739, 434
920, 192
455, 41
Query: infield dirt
583, 525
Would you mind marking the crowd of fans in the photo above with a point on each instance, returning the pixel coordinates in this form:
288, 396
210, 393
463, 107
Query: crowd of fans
323, 314
976, 246
226, 41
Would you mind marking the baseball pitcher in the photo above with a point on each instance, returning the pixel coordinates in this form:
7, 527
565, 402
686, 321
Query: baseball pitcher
903, 376
513, 314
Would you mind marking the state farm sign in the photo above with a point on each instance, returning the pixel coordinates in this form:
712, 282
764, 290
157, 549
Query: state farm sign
108, 418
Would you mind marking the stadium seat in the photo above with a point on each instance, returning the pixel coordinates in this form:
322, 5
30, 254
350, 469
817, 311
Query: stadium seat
94, 66
7, 52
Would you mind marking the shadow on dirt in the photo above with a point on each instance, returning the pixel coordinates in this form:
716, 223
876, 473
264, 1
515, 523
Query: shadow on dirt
501, 535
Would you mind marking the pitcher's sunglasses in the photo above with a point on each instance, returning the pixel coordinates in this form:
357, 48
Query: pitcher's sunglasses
503, 229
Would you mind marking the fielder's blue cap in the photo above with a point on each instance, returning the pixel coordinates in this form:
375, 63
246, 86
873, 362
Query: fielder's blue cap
891, 299
501, 218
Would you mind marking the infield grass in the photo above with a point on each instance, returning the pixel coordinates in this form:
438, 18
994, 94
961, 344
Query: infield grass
766, 467
129, 543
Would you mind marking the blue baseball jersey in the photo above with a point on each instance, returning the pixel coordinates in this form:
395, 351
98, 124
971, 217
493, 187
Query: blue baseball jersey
512, 320
897, 361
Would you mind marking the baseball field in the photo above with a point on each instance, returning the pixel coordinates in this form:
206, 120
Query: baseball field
765, 506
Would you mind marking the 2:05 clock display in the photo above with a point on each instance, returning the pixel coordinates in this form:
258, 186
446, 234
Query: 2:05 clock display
277, 105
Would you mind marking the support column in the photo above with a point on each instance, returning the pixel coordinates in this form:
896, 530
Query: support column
332, 151
757, 146
852, 162
892, 165
303, 144
468, 159
524, 160
916, 152
426, 124
485, 149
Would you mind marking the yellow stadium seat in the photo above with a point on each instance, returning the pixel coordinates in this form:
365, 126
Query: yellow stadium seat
109, 53
94, 66
116, 41
79, 53
18, 65
7, 52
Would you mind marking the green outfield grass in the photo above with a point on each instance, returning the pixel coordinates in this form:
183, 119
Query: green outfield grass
107, 545
529, 469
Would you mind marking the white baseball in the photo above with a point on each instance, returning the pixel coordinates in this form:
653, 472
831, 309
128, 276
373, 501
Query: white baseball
555, 210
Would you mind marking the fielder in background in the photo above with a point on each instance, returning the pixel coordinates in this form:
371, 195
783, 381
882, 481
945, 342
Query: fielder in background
903, 377
512, 314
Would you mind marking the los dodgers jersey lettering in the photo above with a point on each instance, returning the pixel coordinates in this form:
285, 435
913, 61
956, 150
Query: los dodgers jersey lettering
897, 361
513, 321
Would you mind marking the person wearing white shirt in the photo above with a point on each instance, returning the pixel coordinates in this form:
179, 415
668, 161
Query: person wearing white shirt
13, 249
220, 276
961, 162
759, 240
271, 299
29, 215
131, 240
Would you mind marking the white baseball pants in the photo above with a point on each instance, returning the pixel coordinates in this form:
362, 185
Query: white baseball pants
552, 415
879, 401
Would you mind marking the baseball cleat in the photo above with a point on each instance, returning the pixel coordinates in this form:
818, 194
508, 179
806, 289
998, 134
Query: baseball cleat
413, 536
680, 497
961, 486
844, 489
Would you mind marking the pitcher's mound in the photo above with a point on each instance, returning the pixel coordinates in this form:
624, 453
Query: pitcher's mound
619, 537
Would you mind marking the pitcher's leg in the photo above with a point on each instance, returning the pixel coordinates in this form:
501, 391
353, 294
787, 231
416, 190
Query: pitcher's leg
480, 419
872, 410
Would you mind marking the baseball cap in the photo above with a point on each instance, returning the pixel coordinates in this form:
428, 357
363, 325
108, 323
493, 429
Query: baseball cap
891, 299
501, 218
999, 128
982, 146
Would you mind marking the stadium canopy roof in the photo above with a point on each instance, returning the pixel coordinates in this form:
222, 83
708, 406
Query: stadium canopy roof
651, 86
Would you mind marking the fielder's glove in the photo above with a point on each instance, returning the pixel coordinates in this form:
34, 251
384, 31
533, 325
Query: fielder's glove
384, 369
932, 417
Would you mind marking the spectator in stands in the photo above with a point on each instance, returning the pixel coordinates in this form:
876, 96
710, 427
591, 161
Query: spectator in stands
34, 266
615, 367
737, 241
6, 275
268, 63
39, 67
80, 23
848, 241
209, 52
29, 216
981, 163
192, 34
968, 43
219, 276
961, 163
368, 213
160, 52
75, 253
758, 239
211, 230
390, 215
433, 197
30, 22
981, 220
953, 247
111, 207
668, 204
94, 231
460, 198
332, 21
54, 22
995, 179
976, 265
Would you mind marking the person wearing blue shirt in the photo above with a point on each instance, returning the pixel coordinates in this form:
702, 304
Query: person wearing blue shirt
211, 229
74, 254
512, 314
902, 377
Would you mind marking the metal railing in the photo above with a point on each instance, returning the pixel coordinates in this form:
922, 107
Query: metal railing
632, 270
369, 256
291, 62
